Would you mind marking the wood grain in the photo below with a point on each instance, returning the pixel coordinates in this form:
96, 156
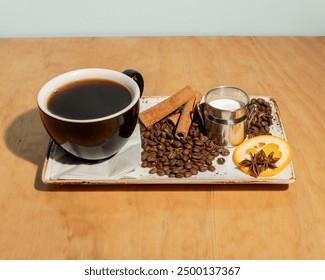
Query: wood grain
164, 222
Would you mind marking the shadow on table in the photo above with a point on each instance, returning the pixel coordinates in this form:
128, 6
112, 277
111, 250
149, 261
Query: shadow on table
27, 138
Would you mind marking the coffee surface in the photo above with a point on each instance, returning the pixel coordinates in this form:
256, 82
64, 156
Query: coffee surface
89, 99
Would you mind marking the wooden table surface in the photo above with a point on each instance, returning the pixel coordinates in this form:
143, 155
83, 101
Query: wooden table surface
156, 221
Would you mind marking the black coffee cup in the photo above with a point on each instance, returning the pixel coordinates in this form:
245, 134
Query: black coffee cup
96, 134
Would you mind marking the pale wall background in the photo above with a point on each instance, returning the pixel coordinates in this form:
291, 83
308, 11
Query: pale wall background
39, 18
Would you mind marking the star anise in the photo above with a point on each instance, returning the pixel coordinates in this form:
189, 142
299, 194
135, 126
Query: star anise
270, 161
259, 162
253, 164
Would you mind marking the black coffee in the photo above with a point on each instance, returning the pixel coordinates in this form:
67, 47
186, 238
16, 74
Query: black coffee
89, 99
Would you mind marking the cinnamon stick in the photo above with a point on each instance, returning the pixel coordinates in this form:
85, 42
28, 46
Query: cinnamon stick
186, 117
173, 119
166, 107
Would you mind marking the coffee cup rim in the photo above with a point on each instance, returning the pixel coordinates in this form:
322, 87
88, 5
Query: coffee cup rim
86, 73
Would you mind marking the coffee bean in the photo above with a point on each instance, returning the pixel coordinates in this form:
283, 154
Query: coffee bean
194, 171
146, 134
215, 153
152, 143
172, 162
177, 169
169, 135
190, 142
205, 153
160, 172
146, 148
179, 162
186, 158
153, 170
182, 157
221, 160
198, 162
205, 138
203, 168
211, 168
176, 144
151, 159
186, 152
195, 166
196, 155
225, 152
196, 133
171, 154
208, 161
144, 155
179, 155
187, 146
196, 150
210, 157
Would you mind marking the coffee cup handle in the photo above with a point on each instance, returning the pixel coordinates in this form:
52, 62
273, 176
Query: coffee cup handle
137, 77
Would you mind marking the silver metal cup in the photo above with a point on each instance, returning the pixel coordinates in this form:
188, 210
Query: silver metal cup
224, 115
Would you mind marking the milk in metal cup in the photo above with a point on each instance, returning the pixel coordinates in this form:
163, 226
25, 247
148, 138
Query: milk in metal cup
227, 104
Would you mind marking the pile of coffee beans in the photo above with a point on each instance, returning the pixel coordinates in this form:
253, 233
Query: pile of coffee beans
166, 155
263, 118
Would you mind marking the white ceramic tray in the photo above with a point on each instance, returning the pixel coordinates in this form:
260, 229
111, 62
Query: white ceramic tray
224, 174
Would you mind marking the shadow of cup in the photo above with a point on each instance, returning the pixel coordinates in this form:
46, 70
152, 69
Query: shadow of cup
26, 138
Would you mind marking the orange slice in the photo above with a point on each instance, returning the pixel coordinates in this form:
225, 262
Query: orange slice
269, 144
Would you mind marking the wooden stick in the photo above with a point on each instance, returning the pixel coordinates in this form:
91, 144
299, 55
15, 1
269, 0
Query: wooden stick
166, 107
186, 117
